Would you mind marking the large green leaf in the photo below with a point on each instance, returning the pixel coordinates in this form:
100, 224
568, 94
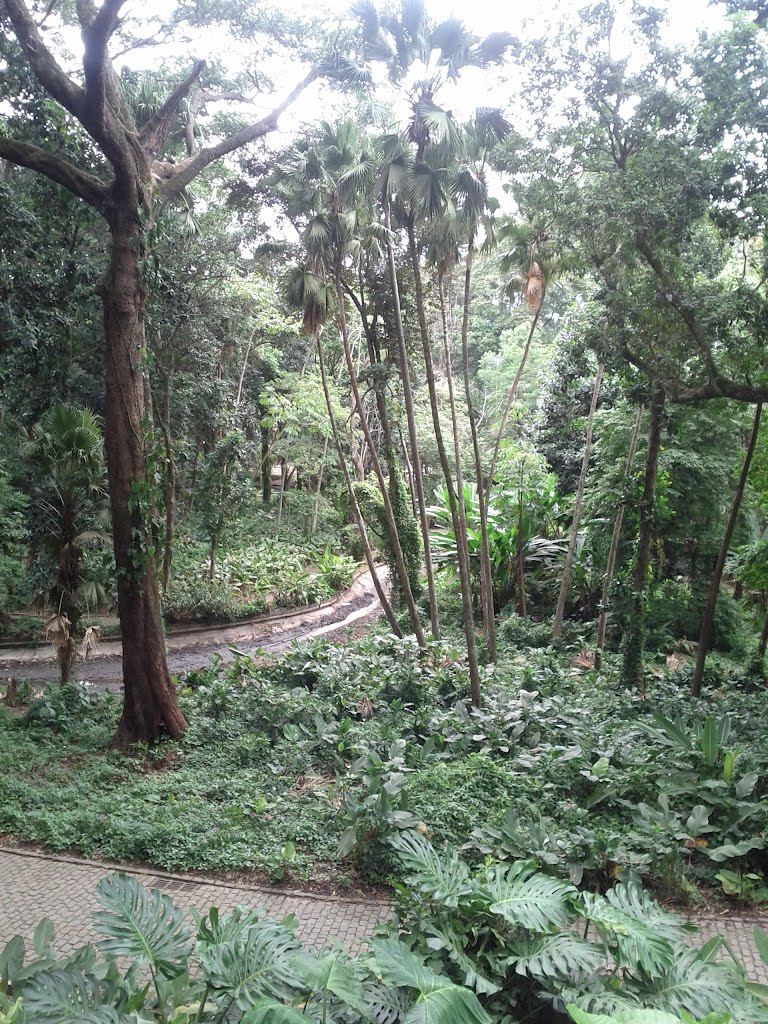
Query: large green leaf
269, 1011
695, 985
527, 900
444, 877
640, 933
403, 969
255, 964
450, 1005
709, 744
11, 960
330, 974
67, 997
141, 925
447, 937
557, 955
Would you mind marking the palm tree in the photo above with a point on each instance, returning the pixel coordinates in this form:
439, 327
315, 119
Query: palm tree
323, 185
307, 290
65, 452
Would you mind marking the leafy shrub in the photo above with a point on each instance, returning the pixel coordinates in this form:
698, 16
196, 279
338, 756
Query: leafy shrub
519, 939
241, 967
674, 613
520, 632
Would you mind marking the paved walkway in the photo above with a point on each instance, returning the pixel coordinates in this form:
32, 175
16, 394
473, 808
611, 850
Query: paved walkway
33, 886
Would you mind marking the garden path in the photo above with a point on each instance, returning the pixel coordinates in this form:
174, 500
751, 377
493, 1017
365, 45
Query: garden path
192, 648
34, 885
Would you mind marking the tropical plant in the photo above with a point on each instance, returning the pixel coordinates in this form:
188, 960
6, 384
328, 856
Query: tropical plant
241, 967
525, 940
65, 453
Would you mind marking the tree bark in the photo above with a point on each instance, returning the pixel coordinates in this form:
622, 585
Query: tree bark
150, 707
705, 634
455, 498
405, 374
634, 635
486, 584
574, 535
266, 467
511, 398
615, 538
763, 645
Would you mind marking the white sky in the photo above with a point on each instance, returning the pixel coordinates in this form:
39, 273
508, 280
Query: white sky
686, 18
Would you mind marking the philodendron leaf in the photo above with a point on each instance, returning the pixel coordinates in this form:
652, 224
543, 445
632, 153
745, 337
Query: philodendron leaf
439, 1000
43, 937
730, 850
761, 943
746, 785
629, 1016
450, 1005
68, 997
11, 960
269, 1011
142, 925
329, 974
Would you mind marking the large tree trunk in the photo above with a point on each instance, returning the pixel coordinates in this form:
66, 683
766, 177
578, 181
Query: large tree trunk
418, 475
486, 584
574, 535
150, 708
634, 635
615, 538
705, 635
763, 645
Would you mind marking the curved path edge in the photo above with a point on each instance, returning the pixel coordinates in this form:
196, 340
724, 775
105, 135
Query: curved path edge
192, 649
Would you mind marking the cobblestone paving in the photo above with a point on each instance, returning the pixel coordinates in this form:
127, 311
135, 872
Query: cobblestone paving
35, 886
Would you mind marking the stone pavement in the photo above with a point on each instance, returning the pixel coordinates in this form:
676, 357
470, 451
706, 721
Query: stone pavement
33, 886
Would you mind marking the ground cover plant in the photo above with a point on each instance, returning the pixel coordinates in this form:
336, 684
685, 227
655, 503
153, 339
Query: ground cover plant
508, 933
309, 764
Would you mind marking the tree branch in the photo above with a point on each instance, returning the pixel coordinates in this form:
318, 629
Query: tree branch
42, 62
97, 27
158, 127
86, 186
673, 299
178, 176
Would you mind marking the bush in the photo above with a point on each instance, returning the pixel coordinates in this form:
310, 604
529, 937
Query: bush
241, 967
520, 632
675, 612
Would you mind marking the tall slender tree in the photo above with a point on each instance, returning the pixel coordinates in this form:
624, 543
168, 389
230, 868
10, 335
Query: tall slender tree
705, 633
